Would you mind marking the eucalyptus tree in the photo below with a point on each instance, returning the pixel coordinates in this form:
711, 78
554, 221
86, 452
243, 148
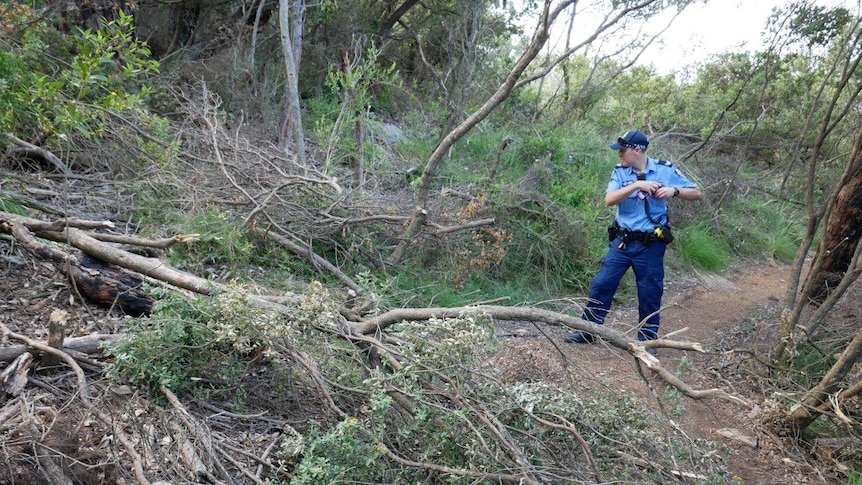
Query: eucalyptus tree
833, 208
522, 73
291, 17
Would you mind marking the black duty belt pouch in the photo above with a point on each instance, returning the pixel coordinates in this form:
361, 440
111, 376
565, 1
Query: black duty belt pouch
614, 231
664, 233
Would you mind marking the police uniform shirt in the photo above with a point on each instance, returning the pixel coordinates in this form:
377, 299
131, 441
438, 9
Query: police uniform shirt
631, 213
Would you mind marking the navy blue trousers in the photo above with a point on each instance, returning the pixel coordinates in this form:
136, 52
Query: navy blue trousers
647, 262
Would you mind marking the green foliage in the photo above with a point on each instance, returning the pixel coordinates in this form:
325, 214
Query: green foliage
698, 245
192, 342
170, 348
334, 119
451, 357
813, 360
221, 240
339, 455
45, 98
8, 204
757, 226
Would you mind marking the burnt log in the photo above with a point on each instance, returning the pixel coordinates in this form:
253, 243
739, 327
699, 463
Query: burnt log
109, 286
91, 277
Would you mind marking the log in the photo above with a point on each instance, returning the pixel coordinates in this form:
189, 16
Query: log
14, 378
837, 449
89, 344
109, 286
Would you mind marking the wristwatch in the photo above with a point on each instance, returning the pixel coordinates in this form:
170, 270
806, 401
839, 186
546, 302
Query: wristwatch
675, 191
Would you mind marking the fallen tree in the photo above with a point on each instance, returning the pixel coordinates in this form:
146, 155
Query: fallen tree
376, 336
72, 232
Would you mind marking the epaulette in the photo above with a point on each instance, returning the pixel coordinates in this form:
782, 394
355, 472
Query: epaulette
665, 162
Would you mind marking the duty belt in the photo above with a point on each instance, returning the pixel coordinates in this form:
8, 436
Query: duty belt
627, 236
642, 236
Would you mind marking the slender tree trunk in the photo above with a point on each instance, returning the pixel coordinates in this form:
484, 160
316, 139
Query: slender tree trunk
844, 95
291, 129
257, 15
440, 152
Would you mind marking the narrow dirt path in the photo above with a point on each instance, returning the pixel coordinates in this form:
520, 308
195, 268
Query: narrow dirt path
723, 314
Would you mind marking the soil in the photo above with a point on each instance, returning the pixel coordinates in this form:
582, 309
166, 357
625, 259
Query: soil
725, 315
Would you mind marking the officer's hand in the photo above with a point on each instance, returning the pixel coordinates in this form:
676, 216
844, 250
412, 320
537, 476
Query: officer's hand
664, 193
650, 187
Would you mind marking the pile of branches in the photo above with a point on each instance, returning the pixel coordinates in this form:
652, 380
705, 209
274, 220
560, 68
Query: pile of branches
57, 391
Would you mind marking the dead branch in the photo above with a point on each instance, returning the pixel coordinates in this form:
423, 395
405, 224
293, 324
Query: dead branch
316, 260
571, 429
462, 227
163, 243
190, 455
25, 230
79, 373
617, 339
239, 466
201, 434
52, 472
14, 377
89, 344
10, 409
83, 393
32, 150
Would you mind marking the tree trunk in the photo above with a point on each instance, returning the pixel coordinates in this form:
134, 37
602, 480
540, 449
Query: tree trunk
840, 238
420, 214
291, 129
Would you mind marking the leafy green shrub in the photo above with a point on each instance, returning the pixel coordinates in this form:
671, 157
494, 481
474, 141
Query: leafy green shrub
170, 348
202, 340
221, 240
44, 98
443, 367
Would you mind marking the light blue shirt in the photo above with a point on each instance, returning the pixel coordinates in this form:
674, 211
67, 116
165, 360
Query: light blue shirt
631, 213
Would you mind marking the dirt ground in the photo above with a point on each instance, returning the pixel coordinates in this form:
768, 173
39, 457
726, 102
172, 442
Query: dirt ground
725, 316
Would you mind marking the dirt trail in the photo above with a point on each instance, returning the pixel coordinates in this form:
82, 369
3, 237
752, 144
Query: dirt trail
722, 314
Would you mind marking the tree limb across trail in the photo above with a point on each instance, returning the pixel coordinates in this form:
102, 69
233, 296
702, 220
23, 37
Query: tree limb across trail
538, 315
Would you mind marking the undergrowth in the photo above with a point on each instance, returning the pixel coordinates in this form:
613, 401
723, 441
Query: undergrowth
433, 397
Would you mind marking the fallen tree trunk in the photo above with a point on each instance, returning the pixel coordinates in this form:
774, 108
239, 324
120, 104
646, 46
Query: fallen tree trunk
91, 344
68, 231
25, 229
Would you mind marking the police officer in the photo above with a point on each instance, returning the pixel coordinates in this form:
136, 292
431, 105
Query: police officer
640, 187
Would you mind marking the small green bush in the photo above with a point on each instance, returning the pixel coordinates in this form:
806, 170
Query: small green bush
221, 240
696, 245
187, 342
43, 97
